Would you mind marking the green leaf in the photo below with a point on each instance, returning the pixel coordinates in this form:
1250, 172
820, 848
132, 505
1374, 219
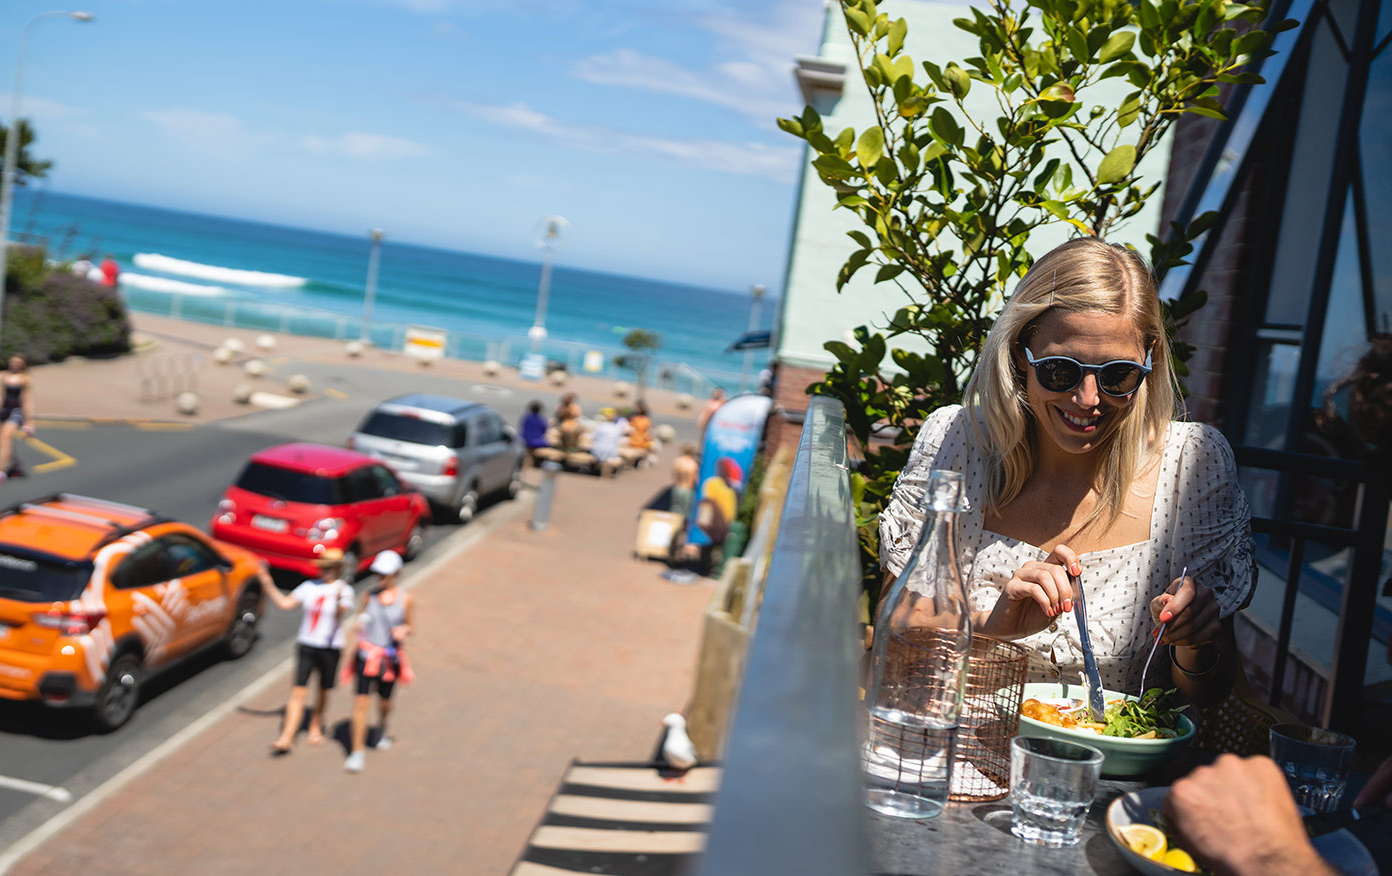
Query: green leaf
1076, 41
792, 126
843, 142
861, 238
849, 201
932, 151
870, 147
1207, 112
946, 128
912, 106
811, 121
903, 68
1129, 110
888, 272
834, 166
1117, 45
957, 80
897, 31
1201, 223
859, 21
1117, 164
842, 351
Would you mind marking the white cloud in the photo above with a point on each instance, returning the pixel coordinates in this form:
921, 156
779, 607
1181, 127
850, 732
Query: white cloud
215, 134
39, 109
368, 147
754, 76
753, 159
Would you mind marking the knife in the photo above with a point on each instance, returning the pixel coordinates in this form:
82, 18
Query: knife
1096, 706
1322, 823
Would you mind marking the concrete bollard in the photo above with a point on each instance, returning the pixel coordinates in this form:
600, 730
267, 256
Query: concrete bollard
558, 377
234, 344
353, 348
665, 433
242, 394
622, 389
297, 383
541, 511
491, 367
223, 355
685, 402
187, 403
255, 367
265, 342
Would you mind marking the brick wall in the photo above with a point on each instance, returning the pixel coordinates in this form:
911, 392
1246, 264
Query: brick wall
789, 406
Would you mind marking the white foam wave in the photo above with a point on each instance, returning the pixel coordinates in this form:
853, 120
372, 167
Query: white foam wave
168, 265
164, 284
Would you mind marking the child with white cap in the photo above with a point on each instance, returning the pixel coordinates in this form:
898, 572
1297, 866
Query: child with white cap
384, 621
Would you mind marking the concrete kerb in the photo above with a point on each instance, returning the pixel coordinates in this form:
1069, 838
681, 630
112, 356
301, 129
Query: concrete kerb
456, 544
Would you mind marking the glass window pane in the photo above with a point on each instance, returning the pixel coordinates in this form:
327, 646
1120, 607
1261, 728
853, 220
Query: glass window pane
1272, 390
1375, 141
1345, 337
1307, 189
1384, 24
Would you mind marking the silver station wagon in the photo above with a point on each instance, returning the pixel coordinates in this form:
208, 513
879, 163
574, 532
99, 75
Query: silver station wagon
453, 451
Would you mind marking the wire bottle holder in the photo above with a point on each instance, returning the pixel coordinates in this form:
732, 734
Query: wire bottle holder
990, 719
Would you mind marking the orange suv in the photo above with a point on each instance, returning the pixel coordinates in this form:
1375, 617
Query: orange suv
93, 594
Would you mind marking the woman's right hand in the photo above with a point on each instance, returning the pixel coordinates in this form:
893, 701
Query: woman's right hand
1036, 594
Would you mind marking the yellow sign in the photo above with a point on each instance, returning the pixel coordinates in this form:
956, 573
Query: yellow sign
425, 342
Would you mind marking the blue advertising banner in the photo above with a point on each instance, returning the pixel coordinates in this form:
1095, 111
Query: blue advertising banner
727, 453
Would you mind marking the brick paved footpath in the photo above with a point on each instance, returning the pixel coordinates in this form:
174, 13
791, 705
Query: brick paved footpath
532, 649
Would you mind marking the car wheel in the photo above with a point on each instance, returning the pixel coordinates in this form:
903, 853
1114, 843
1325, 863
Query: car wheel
120, 693
242, 635
515, 483
415, 540
468, 505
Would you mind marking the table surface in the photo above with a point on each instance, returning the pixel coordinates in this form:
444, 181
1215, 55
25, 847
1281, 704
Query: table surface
976, 838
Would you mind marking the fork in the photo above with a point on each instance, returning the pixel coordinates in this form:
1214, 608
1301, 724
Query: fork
1158, 636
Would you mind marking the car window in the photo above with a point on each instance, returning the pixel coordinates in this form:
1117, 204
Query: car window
387, 484
36, 579
186, 556
291, 486
461, 435
146, 565
401, 427
362, 485
490, 429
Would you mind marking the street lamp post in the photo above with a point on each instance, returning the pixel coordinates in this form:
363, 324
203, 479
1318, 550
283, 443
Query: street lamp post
371, 293
7, 176
758, 293
549, 239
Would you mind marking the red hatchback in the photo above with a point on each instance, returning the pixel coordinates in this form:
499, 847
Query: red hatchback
294, 501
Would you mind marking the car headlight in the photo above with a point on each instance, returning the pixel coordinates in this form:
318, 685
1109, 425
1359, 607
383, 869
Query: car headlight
227, 512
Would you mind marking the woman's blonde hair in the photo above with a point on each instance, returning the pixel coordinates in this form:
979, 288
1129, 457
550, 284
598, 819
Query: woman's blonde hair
1085, 275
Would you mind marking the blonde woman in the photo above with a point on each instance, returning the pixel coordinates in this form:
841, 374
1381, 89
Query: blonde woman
1075, 463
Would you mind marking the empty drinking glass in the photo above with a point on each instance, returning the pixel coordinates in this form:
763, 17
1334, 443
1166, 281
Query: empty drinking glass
1316, 763
1051, 788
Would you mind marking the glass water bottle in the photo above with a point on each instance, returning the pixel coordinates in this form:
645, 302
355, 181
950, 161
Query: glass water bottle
918, 666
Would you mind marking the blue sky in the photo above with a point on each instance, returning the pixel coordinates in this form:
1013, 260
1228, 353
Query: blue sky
648, 124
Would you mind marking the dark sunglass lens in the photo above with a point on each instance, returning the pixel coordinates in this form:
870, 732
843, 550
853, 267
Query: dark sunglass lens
1058, 375
1119, 378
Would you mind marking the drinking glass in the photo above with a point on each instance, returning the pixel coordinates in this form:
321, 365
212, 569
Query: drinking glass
1051, 788
1316, 763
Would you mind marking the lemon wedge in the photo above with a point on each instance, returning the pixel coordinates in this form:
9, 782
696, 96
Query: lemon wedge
1144, 840
1180, 860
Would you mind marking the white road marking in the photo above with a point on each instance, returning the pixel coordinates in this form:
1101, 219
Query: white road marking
52, 792
450, 549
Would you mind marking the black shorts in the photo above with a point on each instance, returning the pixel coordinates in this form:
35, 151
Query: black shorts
321, 660
365, 682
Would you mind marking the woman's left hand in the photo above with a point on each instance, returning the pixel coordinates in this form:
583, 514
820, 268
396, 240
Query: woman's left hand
28, 429
1191, 612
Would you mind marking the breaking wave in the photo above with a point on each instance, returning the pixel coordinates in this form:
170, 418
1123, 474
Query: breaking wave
168, 265
164, 284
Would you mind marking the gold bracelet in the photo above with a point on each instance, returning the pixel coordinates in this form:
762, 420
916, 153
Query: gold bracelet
1218, 658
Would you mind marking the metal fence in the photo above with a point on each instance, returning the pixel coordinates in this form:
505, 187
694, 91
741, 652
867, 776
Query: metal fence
508, 350
791, 798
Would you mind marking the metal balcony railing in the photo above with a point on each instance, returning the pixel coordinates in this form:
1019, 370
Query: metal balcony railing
791, 799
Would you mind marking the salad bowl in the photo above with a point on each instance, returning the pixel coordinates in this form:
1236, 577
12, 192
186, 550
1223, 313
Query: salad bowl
1122, 757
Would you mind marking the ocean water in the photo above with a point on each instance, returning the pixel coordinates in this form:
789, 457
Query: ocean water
208, 261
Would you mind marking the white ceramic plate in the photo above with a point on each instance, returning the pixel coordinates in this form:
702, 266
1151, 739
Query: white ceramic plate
1341, 849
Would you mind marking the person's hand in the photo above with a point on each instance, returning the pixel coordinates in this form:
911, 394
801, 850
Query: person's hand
400, 632
27, 429
1191, 612
1379, 787
1237, 817
1036, 594
263, 575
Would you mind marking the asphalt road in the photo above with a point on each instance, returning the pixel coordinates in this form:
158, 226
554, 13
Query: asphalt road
182, 473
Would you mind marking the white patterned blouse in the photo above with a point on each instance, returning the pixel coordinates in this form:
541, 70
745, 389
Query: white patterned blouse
1200, 518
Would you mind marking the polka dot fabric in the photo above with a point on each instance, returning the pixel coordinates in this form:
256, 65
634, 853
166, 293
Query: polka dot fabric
1200, 518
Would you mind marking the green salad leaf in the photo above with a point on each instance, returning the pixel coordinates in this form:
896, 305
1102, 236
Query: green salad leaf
1157, 710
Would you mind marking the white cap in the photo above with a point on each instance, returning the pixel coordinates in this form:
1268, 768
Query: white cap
386, 563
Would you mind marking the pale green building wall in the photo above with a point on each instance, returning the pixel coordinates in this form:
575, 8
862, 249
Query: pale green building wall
811, 310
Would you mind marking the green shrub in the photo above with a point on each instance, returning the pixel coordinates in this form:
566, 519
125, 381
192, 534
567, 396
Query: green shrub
50, 314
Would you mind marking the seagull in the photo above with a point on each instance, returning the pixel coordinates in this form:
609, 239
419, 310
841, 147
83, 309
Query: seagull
677, 749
